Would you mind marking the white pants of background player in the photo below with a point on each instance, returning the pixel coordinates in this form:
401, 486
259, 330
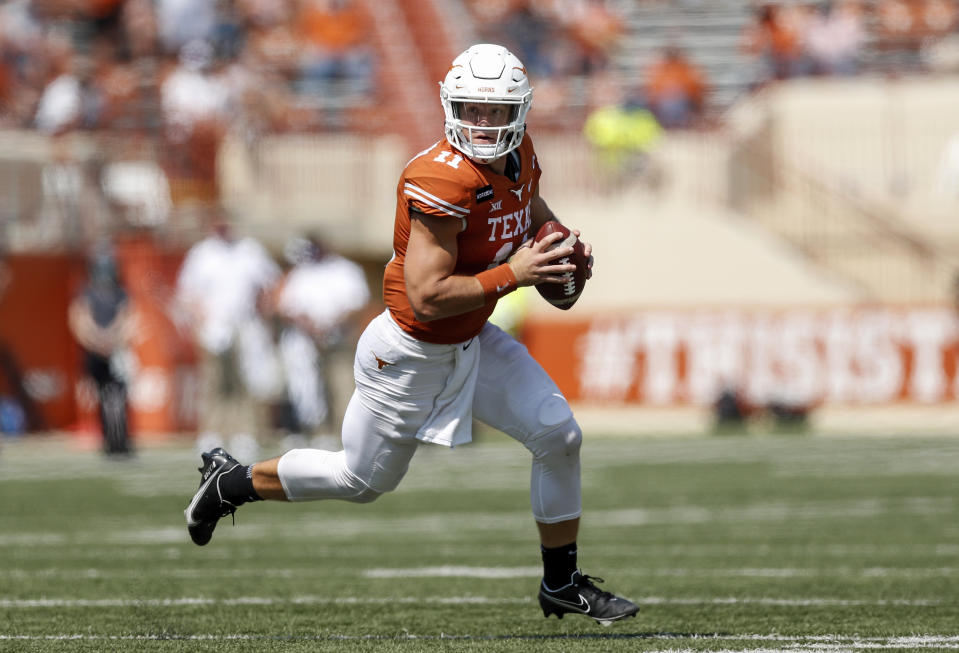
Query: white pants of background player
410, 391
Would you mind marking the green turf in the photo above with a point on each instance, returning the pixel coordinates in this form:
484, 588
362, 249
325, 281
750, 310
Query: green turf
728, 543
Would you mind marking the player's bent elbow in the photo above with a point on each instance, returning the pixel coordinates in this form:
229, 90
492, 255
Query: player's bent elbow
425, 313
425, 308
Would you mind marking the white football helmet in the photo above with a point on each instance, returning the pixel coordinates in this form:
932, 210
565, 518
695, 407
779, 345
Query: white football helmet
490, 74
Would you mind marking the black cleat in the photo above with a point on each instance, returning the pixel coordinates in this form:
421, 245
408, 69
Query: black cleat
208, 504
581, 596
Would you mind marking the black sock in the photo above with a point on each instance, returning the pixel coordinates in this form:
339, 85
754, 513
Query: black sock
559, 565
236, 485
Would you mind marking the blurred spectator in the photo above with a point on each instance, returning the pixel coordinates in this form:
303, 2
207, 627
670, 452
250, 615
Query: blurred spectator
138, 190
776, 41
834, 38
906, 25
102, 321
489, 12
319, 302
101, 17
195, 110
896, 18
228, 35
675, 90
72, 210
69, 98
153, 66
595, 30
623, 132
528, 33
553, 37
334, 37
141, 28
182, 21
221, 289
191, 93
109, 89
259, 98
271, 36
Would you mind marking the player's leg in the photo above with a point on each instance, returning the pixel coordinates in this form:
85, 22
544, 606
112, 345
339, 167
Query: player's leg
114, 413
379, 437
110, 402
515, 395
368, 466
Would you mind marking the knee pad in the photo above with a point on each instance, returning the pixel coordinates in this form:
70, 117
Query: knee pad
554, 478
560, 442
366, 495
358, 491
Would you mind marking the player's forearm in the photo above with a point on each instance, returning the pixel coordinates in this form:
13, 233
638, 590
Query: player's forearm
448, 297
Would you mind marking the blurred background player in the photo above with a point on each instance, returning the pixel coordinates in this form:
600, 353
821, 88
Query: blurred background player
318, 304
466, 209
102, 321
221, 291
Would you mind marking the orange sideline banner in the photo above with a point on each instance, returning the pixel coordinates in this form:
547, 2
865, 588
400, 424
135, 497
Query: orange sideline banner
801, 356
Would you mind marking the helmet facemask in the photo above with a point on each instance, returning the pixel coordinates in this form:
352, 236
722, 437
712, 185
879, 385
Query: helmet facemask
486, 142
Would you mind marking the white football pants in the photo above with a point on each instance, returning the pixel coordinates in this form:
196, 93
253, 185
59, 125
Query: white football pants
512, 394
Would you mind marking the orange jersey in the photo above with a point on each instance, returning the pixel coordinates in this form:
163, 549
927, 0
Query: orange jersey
495, 215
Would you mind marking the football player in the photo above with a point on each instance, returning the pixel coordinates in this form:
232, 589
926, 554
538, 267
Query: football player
466, 210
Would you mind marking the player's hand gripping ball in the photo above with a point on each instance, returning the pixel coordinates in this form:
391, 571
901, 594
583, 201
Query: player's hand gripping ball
564, 295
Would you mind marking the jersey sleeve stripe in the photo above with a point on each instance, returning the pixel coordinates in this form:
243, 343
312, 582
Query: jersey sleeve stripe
434, 201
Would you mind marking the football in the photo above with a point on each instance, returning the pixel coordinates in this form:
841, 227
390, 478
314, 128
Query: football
564, 295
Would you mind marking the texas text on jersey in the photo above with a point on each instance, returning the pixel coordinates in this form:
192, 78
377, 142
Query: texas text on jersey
495, 214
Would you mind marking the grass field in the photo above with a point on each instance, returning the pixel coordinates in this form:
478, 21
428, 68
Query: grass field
728, 543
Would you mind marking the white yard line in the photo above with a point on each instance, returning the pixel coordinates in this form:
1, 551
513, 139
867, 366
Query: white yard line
783, 642
459, 571
252, 600
449, 571
452, 571
451, 600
